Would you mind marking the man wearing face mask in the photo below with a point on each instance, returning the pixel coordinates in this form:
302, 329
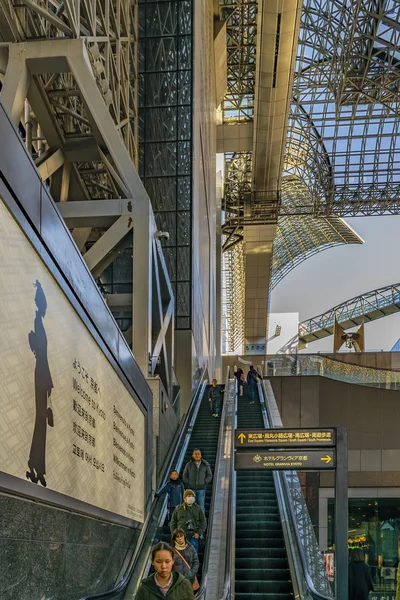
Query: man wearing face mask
189, 517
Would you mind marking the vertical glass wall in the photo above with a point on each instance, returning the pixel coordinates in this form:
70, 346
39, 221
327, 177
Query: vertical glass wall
165, 134
374, 526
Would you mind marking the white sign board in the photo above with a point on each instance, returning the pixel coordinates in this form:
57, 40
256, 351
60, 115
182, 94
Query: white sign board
67, 420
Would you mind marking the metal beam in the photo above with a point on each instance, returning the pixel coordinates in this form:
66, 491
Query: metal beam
49, 163
96, 213
16, 84
119, 302
107, 243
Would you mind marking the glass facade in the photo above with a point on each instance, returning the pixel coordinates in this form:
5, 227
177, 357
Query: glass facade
374, 526
165, 135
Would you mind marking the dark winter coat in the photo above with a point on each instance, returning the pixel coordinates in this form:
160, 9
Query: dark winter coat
189, 518
174, 489
215, 393
197, 478
190, 555
360, 582
181, 589
252, 377
238, 375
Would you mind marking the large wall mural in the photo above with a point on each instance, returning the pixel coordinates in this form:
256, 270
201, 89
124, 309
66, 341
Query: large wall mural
68, 422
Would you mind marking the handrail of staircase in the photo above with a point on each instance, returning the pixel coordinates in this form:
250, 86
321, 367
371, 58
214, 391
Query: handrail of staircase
176, 457
287, 499
230, 555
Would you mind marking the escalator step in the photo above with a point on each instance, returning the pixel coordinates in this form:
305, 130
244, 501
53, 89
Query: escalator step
262, 570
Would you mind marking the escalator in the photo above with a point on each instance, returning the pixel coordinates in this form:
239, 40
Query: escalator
205, 437
261, 565
199, 430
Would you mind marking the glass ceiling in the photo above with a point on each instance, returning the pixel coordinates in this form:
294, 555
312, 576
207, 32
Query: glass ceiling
346, 104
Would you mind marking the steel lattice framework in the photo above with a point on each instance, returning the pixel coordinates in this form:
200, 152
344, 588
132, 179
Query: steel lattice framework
373, 305
109, 32
346, 101
298, 236
298, 239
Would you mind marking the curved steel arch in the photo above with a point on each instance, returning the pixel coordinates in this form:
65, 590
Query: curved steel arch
348, 81
300, 238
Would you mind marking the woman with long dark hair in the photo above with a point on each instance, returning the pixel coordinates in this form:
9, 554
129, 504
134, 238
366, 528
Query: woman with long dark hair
360, 582
43, 386
164, 582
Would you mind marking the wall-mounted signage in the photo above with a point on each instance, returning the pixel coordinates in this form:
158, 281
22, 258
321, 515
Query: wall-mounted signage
67, 420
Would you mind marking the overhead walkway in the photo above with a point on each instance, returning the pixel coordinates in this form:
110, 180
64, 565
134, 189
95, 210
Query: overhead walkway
364, 308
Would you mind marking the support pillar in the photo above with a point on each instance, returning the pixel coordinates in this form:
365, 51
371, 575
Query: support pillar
259, 240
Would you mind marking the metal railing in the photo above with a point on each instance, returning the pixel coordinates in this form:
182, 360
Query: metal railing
201, 594
283, 365
140, 558
230, 552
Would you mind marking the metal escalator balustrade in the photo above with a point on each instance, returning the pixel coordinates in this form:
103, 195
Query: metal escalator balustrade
261, 564
134, 568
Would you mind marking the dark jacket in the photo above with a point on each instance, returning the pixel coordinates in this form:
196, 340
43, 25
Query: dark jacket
181, 589
238, 374
252, 377
215, 393
189, 518
190, 555
197, 478
360, 582
175, 490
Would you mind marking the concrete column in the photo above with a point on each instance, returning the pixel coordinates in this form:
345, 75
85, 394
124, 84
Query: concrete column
259, 240
184, 366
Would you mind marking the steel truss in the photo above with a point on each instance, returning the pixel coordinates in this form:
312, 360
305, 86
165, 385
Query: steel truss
299, 236
367, 307
298, 239
69, 82
233, 307
346, 97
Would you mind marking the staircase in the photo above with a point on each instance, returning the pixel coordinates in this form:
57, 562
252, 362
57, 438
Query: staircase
262, 569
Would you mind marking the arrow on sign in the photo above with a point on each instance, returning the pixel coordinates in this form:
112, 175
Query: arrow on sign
326, 459
241, 437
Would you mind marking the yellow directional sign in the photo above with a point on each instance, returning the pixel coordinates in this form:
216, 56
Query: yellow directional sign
285, 438
282, 460
327, 458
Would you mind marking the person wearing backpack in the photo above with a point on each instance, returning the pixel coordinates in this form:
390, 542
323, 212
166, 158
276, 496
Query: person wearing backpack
241, 378
252, 378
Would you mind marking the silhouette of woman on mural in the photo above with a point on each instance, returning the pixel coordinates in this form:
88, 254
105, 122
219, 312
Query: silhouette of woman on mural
43, 387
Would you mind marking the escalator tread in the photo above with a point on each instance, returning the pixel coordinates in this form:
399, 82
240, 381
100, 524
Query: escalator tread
205, 437
261, 565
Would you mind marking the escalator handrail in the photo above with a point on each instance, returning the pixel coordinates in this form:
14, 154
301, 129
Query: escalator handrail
289, 506
230, 554
203, 586
183, 430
